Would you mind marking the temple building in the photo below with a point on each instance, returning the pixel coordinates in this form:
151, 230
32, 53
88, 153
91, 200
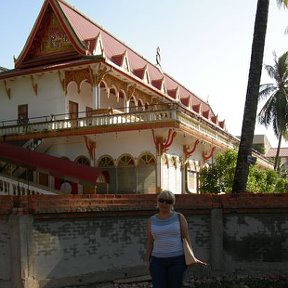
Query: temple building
81, 112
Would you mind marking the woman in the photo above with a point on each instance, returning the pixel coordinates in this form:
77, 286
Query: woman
165, 257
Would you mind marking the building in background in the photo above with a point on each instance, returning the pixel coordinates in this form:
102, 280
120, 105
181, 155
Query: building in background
79, 97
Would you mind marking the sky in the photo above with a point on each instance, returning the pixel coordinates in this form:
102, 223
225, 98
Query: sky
204, 45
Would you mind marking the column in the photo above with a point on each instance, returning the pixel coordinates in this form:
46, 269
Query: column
21, 241
216, 251
96, 97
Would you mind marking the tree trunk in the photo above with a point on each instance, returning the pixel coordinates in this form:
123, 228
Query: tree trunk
276, 163
251, 103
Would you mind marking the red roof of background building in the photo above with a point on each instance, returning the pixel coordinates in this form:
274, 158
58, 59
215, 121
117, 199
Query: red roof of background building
273, 151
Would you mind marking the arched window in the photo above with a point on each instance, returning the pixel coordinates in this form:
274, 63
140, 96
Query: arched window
146, 159
107, 168
140, 106
105, 161
126, 175
121, 105
146, 174
83, 160
147, 106
132, 105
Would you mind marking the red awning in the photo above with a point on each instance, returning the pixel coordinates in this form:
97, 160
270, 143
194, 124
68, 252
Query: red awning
54, 165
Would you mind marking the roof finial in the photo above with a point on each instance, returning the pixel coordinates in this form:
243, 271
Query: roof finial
158, 57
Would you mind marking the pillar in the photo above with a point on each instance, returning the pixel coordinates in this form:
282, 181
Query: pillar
20, 243
96, 97
216, 251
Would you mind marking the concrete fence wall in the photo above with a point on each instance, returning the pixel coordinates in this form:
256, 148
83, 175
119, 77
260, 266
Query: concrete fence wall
56, 241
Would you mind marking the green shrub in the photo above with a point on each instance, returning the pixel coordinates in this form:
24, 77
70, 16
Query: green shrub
219, 176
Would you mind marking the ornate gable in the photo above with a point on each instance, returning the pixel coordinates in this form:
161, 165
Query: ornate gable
50, 37
48, 41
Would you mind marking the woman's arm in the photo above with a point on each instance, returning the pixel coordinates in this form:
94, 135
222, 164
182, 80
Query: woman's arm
185, 232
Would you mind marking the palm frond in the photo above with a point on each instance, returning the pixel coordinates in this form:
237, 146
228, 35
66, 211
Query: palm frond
265, 115
270, 70
275, 109
282, 3
266, 90
285, 134
275, 129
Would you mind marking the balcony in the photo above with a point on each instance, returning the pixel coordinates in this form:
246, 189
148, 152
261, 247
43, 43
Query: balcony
109, 120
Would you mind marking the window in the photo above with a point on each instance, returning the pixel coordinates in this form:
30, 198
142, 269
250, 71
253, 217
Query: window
73, 113
191, 181
132, 105
89, 113
83, 160
23, 114
126, 175
108, 170
146, 174
73, 110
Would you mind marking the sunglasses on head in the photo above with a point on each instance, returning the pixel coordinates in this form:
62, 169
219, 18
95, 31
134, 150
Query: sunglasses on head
165, 201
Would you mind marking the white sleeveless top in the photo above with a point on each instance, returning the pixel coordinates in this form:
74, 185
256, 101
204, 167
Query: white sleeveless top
167, 236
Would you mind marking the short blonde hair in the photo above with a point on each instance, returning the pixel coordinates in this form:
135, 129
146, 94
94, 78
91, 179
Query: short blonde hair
167, 195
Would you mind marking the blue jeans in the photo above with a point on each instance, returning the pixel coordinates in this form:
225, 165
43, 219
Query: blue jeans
167, 272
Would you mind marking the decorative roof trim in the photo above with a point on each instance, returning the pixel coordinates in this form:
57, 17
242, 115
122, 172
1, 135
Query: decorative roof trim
158, 83
206, 113
65, 25
197, 107
174, 93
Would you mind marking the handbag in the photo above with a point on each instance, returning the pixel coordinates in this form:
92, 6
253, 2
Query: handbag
190, 258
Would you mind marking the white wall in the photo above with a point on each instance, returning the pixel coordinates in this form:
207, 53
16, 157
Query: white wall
50, 97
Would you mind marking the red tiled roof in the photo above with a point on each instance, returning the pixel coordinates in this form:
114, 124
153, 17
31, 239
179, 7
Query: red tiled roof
214, 119
172, 93
185, 101
221, 124
139, 73
206, 113
196, 107
118, 59
273, 151
84, 33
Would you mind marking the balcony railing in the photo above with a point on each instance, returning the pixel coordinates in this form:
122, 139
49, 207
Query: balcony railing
116, 117
9, 186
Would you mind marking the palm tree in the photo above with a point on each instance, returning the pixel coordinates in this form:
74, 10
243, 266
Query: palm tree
251, 103
275, 109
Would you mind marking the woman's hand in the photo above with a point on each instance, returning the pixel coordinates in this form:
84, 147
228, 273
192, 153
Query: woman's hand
201, 262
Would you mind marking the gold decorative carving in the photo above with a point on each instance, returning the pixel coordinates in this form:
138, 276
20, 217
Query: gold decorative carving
62, 81
78, 76
53, 38
99, 76
112, 81
130, 90
34, 85
141, 95
7, 89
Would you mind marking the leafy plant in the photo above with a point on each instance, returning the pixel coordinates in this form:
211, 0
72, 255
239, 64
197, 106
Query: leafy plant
218, 177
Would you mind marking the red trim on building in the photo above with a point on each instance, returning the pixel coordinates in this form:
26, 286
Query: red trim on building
56, 166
